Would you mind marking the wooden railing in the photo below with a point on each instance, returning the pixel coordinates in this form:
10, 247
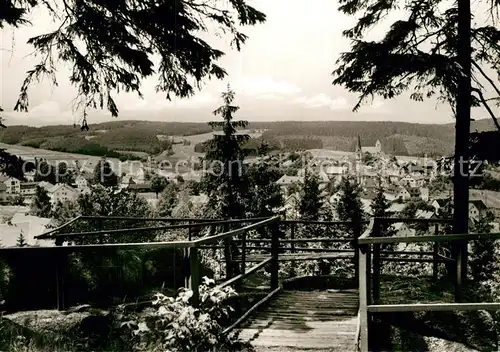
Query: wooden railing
370, 262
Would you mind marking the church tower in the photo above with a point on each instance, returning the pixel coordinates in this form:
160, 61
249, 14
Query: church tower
359, 160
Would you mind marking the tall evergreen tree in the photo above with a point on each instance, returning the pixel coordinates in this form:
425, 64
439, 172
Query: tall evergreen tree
434, 51
482, 261
311, 201
379, 206
349, 206
41, 205
168, 200
226, 185
264, 195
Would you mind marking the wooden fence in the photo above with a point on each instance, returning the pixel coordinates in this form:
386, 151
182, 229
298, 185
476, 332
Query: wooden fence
370, 261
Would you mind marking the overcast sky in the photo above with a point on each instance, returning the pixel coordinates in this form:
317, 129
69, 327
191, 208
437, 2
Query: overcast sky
282, 73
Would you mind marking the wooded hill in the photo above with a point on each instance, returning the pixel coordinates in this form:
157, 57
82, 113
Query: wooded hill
142, 136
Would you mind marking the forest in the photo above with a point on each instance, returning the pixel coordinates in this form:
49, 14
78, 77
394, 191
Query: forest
141, 136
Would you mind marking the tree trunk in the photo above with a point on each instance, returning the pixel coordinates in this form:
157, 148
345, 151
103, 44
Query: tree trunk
463, 107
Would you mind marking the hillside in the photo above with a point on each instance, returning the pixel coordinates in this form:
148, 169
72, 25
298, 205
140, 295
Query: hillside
143, 136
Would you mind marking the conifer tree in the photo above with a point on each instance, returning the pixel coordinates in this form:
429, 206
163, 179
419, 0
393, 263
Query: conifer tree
311, 202
225, 185
41, 205
482, 256
21, 241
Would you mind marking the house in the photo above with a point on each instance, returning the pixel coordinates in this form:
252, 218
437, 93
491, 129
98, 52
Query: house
403, 230
140, 187
425, 214
28, 189
404, 194
81, 182
13, 184
30, 176
62, 192
46, 185
424, 193
3, 191
413, 180
440, 203
27, 225
477, 208
414, 192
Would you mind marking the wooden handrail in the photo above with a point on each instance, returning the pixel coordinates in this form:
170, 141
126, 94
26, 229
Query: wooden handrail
235, 232
251, 310
431, 221
248, 272
191, 223
432, 307
319, 222
45, 235
368, 230
429, 238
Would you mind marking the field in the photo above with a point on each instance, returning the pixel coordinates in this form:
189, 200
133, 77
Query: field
186, 152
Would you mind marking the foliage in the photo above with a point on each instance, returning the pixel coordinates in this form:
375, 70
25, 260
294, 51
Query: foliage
349, 207
158, 184
489, 182
225, 186
41, 205
110, 54
418, 52
14, 166
45, 172
21, 241
311, 201
264, 196
379, 207
482, 255
174, 325
64, 175
104, 174
133, 138
168, 200
410, 209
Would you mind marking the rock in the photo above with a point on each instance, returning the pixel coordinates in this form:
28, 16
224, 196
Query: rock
79, 309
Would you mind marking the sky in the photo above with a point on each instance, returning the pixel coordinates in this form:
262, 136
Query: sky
283, 72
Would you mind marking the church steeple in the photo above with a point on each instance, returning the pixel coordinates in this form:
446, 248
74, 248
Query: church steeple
358, 145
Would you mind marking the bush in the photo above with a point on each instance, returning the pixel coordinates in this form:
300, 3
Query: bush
174, 325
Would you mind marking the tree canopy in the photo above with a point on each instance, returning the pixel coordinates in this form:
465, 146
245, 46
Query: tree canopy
419, 52
112, 46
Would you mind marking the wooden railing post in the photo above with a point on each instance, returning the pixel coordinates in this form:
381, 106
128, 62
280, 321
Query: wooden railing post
355, 246
190, 231
364, 279
435, 255
187, 266
60, 263
243, 254
376, 263
458, 274
227, 255
274, 255
194, 275
292, 250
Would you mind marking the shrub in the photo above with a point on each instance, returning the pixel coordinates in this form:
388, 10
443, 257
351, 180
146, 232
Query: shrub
173, 324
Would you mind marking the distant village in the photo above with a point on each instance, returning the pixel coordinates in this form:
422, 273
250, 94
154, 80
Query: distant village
404, 180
